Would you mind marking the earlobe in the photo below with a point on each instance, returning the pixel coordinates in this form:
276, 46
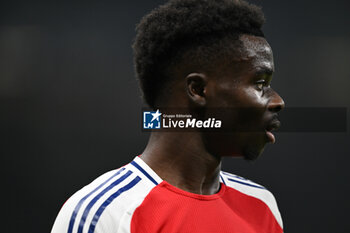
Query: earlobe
196, 84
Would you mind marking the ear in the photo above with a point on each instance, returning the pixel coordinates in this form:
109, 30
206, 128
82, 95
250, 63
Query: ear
196, 84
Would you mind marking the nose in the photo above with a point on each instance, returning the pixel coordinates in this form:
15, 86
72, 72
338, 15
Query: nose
276, 103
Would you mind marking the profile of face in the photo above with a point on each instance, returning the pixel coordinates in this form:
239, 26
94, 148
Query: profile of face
252, 105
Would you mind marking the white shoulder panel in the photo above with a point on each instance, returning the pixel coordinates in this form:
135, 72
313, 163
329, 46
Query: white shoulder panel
107, 204
253, 189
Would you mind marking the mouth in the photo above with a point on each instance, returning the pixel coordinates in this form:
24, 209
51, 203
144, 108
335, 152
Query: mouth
273, 125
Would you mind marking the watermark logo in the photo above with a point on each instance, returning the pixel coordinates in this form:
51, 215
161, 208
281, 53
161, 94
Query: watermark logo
245, 119
157, 120
152, 120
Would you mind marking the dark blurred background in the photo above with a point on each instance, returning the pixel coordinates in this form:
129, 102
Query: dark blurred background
70, 107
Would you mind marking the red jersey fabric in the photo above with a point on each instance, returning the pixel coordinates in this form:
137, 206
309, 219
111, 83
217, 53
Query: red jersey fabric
171, 210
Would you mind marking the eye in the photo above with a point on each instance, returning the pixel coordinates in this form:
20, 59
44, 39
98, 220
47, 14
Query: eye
261, 84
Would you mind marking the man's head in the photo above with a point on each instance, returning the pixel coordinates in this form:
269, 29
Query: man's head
188, 36
211, 54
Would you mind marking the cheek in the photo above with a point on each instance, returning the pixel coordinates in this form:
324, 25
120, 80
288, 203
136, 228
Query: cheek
251, 110
240, 107
251, 98
234, 97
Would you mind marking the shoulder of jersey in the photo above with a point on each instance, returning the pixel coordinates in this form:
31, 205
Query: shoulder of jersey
107, 203
252, 189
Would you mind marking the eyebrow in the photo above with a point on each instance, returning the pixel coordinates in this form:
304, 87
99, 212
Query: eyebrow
264, 70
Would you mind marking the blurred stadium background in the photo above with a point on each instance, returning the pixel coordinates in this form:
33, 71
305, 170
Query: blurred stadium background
70, 107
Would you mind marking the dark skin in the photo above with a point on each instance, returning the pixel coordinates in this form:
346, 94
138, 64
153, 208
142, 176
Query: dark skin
192, 161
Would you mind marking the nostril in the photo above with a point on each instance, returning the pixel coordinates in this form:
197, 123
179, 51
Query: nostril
276, 105
276, 108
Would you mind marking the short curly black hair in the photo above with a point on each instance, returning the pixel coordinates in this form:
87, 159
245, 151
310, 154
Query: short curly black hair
188, 32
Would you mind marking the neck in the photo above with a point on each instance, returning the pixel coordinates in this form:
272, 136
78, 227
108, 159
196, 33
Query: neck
182, 160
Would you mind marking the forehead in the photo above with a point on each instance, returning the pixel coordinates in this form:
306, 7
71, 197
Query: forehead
257, 51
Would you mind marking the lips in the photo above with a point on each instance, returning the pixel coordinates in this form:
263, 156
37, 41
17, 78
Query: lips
273, 125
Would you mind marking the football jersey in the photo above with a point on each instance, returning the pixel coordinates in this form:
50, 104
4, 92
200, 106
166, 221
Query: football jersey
134, 199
